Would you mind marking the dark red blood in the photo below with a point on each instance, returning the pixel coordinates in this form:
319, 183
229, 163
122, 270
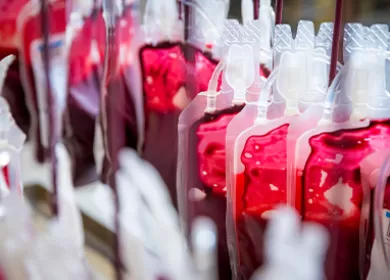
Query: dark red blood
207, 154
212, 153
164, 74
343, 222
259, 189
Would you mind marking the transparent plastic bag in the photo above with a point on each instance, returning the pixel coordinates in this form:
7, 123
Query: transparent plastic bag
31, 67
258, 159
173, 73
327, 158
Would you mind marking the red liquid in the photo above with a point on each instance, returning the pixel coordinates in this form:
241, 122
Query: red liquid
30, 33
332, 191
206, 165
164, 73
259, 189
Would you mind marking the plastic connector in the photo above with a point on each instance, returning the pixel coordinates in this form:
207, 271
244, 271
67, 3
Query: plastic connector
291, 83
240, 71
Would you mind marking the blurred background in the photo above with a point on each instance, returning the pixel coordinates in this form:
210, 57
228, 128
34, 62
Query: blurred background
364, 11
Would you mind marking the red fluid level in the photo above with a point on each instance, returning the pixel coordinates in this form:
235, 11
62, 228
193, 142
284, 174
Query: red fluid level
332, 191
259, 189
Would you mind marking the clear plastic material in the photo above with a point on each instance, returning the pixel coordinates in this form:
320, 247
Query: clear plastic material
32, 73
210, 111
327, 156
202, 132
173, 73
259, 157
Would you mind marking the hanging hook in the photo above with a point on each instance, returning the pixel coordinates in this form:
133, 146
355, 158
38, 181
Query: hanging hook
279, 11
52, 111
256, 7
337, 30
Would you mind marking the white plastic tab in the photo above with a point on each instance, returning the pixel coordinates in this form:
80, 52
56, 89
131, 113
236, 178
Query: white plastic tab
365, 84
232, 32
283, 41
240, 71
316, 51
305, 38
325, 37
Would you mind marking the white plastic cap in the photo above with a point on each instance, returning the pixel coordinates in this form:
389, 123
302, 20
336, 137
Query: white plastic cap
360, 78
292, 83
240, 71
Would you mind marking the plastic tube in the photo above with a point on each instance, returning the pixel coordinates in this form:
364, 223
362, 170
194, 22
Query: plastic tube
213, 87
262, 105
